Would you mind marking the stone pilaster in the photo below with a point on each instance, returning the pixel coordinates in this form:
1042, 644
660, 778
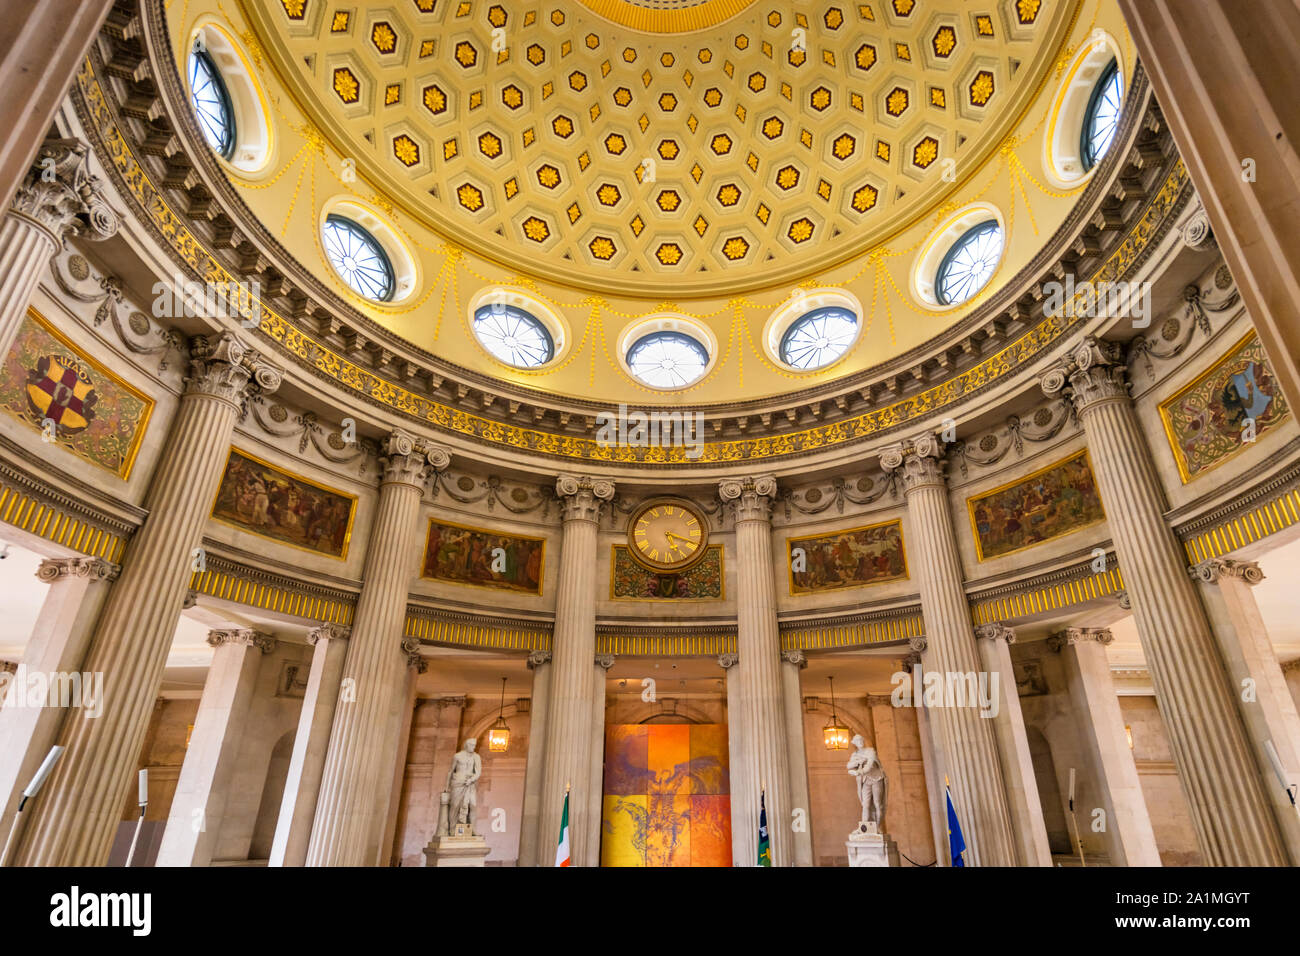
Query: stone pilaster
742, 807
76, 816
994, 640
57, 645
310, 743
932, 758
1130, 839
568, 726
1231, 813
58, 197
763, 733
968, 740
355, 779
395, 756
792, 662
594, 803
199, 804
539, 662
1263, 698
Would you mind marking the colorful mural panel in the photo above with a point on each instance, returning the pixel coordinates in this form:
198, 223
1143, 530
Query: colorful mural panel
73, 401
488, 559
847, 559
1056, 500
1222, 411
258, 497
667, 796
632, 581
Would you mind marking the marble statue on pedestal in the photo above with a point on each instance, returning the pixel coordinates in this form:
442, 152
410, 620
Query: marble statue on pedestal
462, 787
865, 768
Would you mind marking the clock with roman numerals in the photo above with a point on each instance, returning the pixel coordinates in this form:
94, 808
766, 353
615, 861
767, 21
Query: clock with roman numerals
668, 534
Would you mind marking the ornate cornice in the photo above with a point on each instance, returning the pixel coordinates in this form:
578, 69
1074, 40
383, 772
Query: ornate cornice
582, 497
749, 498
1079, 635
242, 635
60, 194
95, 569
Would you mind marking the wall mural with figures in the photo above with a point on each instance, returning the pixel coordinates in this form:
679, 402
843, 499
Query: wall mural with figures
258, 497
482, 558
1053, 501
847, 559
667, 798
1223, 410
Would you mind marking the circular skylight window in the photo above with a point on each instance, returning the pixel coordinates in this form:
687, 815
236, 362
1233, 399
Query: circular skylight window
210, 101
1101, 121
358, 258
513, 335
818, 338
969, 264
667, 359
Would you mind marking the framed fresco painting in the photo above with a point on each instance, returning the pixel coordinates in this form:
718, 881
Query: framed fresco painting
1208, 420
854, 558
459, 554
75, 402
262, 499
1053, 501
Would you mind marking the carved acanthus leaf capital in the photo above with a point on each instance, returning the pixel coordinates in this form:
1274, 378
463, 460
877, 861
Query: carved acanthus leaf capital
1214, 569
405, 459
223, 367
995, 631
749, 498
329, 631
96, 569
796, 657
1094, 372
1079, 635
582, 498
61, 195
242, 635
918, 461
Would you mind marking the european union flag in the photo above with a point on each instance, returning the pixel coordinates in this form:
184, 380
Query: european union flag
956, 843
764, 845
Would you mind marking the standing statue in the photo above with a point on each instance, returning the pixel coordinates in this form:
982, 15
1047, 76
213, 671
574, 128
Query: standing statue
462, 790
865, 768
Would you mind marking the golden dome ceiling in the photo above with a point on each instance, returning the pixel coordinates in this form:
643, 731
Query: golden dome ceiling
640, 146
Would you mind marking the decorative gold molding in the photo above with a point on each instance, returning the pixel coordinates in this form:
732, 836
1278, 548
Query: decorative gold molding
1269, 517
888, 630
240, 586
666, 645
30, 513
1087, 586
428, 626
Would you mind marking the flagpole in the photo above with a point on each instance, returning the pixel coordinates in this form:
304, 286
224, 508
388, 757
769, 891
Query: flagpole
947, 795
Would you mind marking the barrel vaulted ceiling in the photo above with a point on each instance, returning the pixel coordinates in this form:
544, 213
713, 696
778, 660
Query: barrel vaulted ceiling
621, 158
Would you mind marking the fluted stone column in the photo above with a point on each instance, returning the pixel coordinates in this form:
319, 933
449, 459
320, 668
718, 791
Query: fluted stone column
969, 742
595, 801
58, 197
539, 662
310, 744
994, 640
356, 776
792, 662
395, 756
568, 726
743, 809
763, 734
932, 758
76, 816
76, 593
1263, 697
199, 804
1231, 813
1129, 838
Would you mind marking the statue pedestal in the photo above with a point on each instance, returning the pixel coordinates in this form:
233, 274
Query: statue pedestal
460, 849
869, 847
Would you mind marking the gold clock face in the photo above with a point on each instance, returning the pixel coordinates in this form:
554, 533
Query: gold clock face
667, 534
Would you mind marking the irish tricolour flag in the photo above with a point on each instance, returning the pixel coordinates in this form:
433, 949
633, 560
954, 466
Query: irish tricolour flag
562, 850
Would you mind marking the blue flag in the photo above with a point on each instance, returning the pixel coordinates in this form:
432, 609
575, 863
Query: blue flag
764, 847
956, 843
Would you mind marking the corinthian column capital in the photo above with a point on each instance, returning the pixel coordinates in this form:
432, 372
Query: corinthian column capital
97, 569
1093, 373
329, 631
1079, 635
749, 498
582, 497
223, 367
407, 460
61, 196
918, 461
1212, 570
242, 635
796, 657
